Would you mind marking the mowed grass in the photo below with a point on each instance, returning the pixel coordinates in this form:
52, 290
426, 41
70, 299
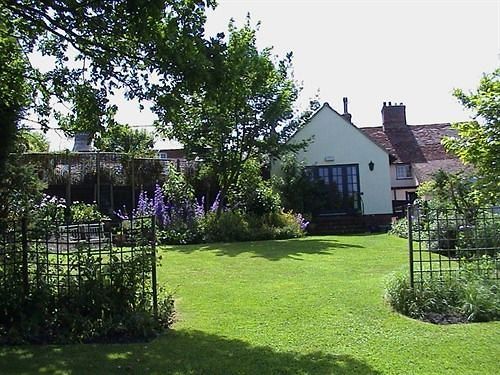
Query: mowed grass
303, 306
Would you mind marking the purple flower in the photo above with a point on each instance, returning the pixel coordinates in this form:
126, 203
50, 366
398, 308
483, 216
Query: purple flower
301, 221
199, 208
215, 205
159, 204
145, 206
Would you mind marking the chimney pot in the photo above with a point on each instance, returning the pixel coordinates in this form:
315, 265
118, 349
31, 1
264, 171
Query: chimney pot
346, 115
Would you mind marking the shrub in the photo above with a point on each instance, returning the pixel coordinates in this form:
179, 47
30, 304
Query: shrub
239, 226
252, 193
85, 212
400, 228
468, 296
228, 226
262, 200
109, 303
483, 236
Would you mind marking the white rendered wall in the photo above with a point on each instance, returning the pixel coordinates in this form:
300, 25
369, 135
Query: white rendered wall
401, 182
335, 138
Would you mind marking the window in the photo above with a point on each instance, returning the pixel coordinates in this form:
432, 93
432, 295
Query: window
403, 171
341, 188
163, 155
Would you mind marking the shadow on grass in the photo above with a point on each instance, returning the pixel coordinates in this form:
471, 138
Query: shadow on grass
179, 352
271, 250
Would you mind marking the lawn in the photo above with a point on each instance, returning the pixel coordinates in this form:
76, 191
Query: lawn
304, 306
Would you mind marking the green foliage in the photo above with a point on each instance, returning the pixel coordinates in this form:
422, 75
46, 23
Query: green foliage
98, 306
451, 191
20, 188
30, 141
14, 91
85, 213
252, 193
90, 112
229, 226
177, 189
241, 111
122, 138
478, 141
97, 48
232, 226
299, 192
483, 238
469, 296
400, 228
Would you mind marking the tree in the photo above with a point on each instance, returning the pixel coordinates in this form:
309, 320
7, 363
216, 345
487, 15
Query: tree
98, 47
478, 141
243, 109
30, 141
122, 138
13, 90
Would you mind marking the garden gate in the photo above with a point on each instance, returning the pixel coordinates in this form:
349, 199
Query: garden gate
443, 241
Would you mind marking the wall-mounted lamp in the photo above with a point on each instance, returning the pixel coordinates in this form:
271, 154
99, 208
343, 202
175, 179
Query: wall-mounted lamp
371, 165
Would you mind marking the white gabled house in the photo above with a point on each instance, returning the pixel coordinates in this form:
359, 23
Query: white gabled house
354, 167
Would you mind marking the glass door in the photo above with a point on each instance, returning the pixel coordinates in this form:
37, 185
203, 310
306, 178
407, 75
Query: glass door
341, 184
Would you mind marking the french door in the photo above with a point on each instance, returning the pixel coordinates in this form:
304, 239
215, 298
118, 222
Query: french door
342, 188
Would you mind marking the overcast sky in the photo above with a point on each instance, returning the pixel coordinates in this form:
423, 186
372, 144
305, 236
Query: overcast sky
407, 51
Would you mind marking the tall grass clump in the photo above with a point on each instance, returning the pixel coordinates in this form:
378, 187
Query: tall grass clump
470, 295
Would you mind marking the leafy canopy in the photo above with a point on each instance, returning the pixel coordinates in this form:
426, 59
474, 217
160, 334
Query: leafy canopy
122, 138
98, 47
478, 141
242, 110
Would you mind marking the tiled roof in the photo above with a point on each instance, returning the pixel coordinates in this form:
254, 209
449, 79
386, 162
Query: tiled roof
174, 153
419, 145
413, 143
425, 171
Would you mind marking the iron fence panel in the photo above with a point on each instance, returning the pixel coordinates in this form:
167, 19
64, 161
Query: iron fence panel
443, 241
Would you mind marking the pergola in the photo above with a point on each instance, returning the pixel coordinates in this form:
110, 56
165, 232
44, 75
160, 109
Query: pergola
111, 180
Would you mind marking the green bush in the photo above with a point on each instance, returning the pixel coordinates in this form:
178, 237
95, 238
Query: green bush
484, 236
469, 296
228, 226
85, 213
252, 193
101, 303
262, 200
400, 228
239, 226
180, 232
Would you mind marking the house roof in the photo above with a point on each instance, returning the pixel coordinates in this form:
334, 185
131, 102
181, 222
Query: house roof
413, 143
425, 171
419, 145
360, 130
174, 153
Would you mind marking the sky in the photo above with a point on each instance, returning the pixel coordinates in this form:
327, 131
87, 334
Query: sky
414, 52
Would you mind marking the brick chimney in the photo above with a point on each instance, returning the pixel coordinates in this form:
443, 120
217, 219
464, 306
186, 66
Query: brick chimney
393, 116
346, 115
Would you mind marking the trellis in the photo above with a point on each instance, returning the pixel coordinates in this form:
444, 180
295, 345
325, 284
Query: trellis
444, 241
58, 255
104, 174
